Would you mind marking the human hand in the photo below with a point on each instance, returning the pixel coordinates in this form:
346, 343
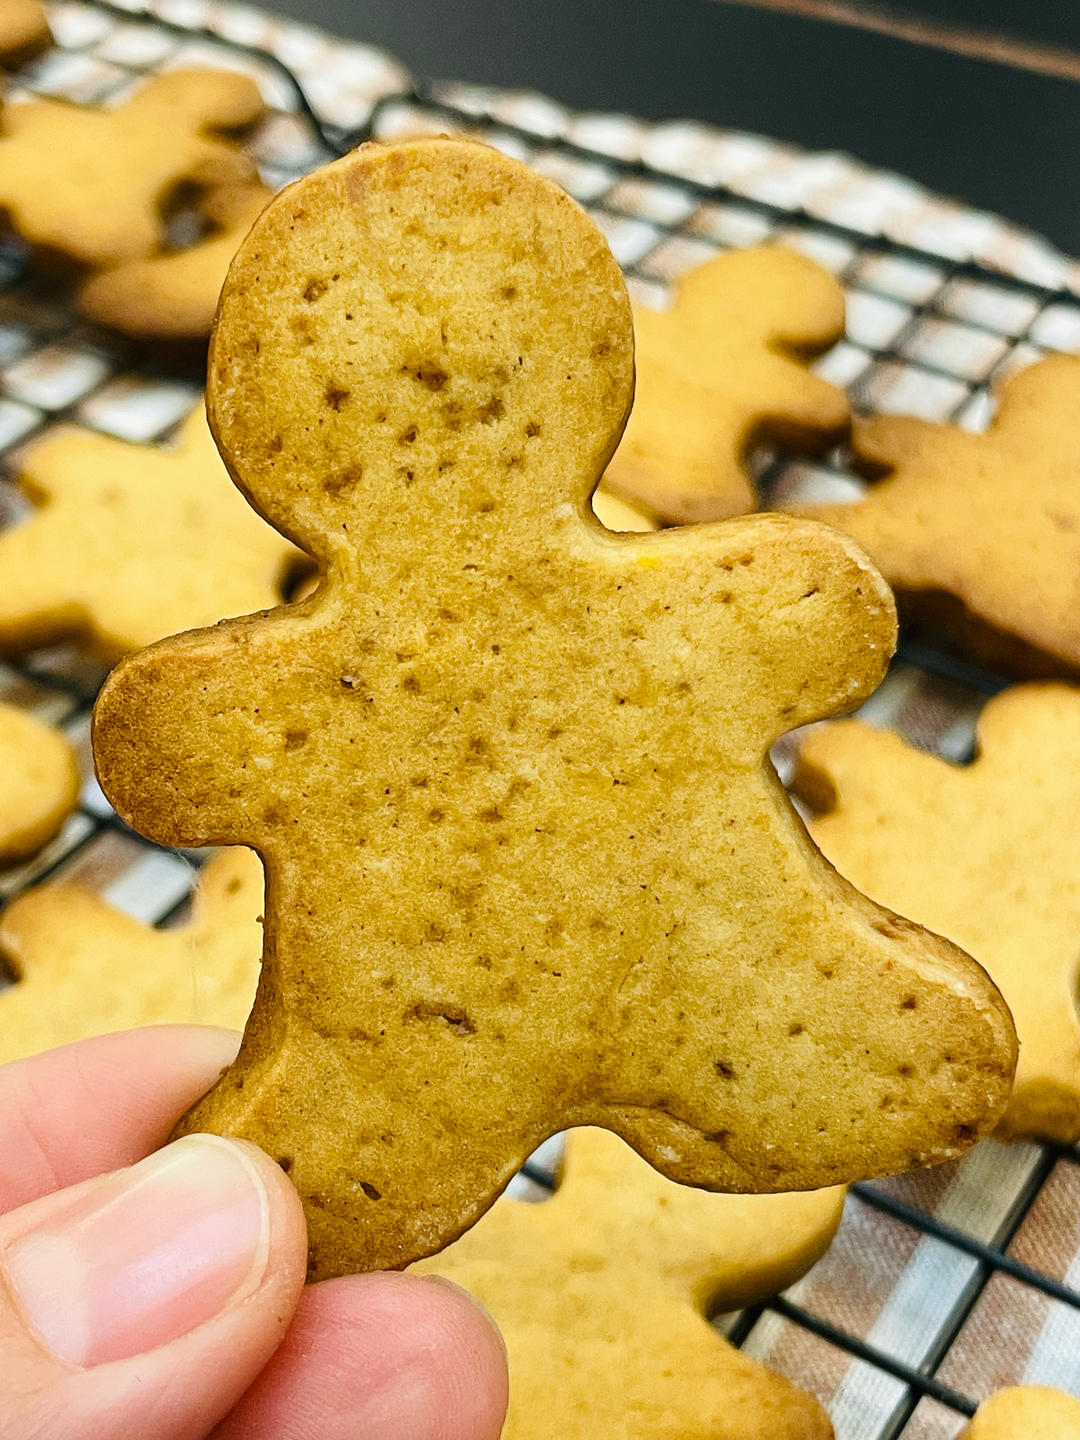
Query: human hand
167, 1299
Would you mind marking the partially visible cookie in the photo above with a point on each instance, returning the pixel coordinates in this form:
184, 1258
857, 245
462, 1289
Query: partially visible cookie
93, 185
1026, 1412
131, 543
24, 30
985, 854
981, 533
173, 296
602, 1292
723, 371
86, 968
621, 516
39, 783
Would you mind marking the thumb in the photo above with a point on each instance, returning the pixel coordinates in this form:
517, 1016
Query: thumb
145, 1302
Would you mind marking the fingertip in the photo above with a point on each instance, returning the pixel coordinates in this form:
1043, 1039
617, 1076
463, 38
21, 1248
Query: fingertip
470, 1350
394, 1357
158, 1292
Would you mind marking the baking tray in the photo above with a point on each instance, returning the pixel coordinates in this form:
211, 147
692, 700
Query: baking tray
943, 1285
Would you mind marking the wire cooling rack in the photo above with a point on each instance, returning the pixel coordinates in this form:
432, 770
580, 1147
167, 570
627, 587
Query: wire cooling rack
943, 1285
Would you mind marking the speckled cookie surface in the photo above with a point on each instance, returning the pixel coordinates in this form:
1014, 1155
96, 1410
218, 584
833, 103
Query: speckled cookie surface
982, 532
983, 853
725, 370
602, 1292
1026, 1412
86, 968
39, 783
24, 30
131, 543
91, 184
507, 769
174, 296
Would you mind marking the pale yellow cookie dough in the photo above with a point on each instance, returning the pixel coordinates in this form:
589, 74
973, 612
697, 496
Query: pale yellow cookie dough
1026, 1412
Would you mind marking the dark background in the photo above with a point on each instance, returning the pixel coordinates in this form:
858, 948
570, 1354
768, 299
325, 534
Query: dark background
1002, 136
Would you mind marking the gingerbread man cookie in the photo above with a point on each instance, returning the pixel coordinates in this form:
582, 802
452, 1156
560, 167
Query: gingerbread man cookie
507, 769
24, 30
132, 543
1026, 1412
92, 184
723, 371
39, 783
608, 1286
173, 296
86, 968
983, 853
981, 533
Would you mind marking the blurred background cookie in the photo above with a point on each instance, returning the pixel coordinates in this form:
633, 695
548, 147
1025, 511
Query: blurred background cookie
24, 30
39, 783
603, 1294
85, 968
723, 371
93, 184
129, 544
173, 295
981, 532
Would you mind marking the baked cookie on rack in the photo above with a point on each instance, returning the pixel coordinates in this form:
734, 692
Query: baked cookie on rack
85, 968
131, 543
603, 1294
981, 533
507, 769
724, 371
39, 783
24, 30
1026, 1412
983, 853
93, 184
173, 296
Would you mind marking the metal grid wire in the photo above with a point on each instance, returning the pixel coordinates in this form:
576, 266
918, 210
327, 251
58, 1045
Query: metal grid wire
941, 1286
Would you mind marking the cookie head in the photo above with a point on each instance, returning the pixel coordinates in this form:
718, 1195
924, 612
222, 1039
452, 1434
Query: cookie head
724, 371
396, 326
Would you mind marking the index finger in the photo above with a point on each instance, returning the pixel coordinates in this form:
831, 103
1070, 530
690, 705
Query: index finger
92, 1107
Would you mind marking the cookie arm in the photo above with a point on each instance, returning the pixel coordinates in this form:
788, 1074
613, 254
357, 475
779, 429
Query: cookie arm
805, 412
200, 98
817, 622
215, 163
168, 752
1042, 400
907, 459
168, 295
842, 764
885, 443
